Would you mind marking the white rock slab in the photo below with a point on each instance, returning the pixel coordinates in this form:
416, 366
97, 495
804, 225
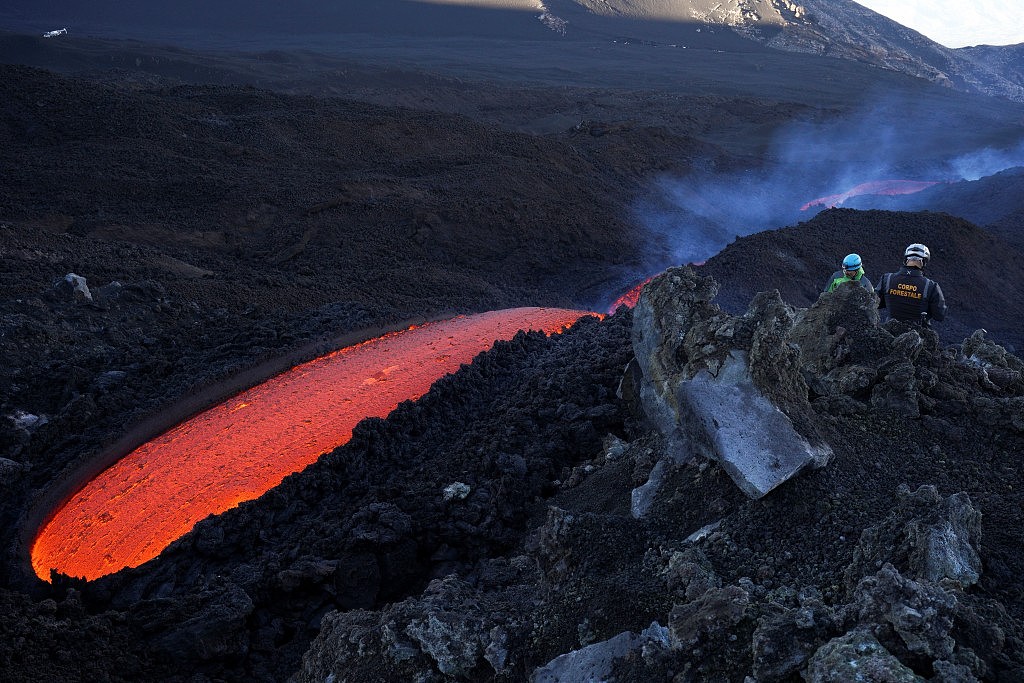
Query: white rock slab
752, 439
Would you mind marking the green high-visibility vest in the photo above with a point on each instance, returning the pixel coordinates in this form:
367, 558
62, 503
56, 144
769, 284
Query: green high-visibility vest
840, 280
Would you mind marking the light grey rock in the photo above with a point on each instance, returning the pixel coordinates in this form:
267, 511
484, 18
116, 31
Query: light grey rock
982, 352
614, 447
449, 640
997, 369
642, 497
854, 658
455, 491
446, 634
594, 662
927, 537
74, 287
919, 613
669, 307
709, 619
496, 651
946, 551
754, 441
588, 664
702, 533
689, 574
27, 421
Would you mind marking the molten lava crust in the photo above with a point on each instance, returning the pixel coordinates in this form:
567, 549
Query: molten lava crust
246, 445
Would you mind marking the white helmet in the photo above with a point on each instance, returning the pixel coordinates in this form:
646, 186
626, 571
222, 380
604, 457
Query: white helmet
917, 251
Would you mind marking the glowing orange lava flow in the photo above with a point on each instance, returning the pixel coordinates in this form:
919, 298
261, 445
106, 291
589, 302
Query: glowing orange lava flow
630, 298
245, 446
883, 187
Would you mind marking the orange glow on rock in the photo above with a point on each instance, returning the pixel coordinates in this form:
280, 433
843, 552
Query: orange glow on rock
241, 448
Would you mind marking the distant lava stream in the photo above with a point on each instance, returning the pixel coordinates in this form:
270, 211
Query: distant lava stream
246, 445
877, 187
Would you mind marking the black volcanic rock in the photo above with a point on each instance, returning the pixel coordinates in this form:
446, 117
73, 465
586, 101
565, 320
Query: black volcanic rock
272, 190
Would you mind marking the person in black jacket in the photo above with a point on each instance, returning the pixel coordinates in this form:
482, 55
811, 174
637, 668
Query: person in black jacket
908, 295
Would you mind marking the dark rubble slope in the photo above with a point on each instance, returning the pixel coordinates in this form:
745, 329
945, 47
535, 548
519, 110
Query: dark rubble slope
526, 426
992, 202
308, 200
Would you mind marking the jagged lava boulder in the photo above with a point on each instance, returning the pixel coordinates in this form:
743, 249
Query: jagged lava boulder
723, 386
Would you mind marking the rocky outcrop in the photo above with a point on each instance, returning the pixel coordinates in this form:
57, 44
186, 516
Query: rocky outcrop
724, 387
928, 537
452, 629
857, 656
742, 390
850, 31
594, 662
72, 288
893, 625
906, 612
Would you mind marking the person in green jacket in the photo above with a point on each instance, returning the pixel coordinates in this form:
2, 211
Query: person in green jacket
853, 271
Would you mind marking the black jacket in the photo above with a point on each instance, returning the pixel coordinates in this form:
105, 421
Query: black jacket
911, 297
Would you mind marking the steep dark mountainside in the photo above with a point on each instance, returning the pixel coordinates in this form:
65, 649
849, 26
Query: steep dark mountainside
531, 505
643, 102
834, 28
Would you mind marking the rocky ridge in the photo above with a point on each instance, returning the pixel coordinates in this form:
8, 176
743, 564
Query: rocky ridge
844, 29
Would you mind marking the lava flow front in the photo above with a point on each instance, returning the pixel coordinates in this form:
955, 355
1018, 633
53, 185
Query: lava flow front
245, 446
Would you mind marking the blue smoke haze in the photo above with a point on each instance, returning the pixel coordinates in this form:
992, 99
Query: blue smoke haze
692, 218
